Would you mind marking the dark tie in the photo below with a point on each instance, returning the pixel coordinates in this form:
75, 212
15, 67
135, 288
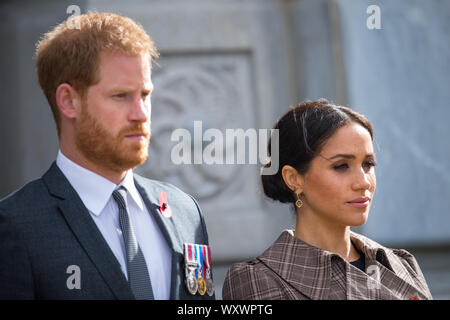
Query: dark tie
137, 268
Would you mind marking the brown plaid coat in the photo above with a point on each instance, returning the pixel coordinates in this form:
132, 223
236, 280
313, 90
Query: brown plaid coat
293, 269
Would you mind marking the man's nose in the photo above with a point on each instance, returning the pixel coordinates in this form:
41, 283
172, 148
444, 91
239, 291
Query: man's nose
140, 110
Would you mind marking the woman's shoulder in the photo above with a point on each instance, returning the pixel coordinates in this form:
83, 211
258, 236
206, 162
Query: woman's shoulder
254, 280
262, 277
399, 255
252, 269
243, 280
402, 262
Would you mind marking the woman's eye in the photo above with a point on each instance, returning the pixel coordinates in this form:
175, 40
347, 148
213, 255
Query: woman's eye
341, 166
369, 164
120, 95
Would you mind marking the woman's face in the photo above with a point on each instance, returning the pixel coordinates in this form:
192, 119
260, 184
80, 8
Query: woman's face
339, 186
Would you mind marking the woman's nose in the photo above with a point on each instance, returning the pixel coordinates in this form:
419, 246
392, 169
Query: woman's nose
363, 181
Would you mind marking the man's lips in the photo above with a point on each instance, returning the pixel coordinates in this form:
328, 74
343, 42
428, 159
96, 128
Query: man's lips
137, 136
360, 202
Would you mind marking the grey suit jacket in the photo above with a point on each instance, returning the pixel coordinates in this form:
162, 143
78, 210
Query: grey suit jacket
45, 228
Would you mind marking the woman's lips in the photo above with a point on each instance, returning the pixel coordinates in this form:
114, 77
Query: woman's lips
361, 202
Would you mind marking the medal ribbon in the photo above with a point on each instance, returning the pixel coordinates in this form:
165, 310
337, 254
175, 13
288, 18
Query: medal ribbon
189, 253
207, 258
199, 259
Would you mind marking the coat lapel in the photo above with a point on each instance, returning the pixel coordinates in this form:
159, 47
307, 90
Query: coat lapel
362, 286
150, 194
395, 282
87, 233
307, 269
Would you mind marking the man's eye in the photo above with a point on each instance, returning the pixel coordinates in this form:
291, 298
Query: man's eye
120, 95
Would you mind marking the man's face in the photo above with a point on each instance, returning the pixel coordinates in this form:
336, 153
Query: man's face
113, 129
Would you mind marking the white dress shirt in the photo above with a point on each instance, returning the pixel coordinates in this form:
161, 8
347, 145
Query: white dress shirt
96, 194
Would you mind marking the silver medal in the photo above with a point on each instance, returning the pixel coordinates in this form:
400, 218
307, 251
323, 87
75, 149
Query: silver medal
209, 287
191, 281
209, 283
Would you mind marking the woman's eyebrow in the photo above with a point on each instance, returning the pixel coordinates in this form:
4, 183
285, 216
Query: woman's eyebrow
348, 156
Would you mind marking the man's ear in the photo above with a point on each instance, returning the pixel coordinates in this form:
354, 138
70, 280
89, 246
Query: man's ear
292, 179
68, 101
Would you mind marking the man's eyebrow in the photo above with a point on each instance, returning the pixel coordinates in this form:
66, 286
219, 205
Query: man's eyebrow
125, 88
348, 156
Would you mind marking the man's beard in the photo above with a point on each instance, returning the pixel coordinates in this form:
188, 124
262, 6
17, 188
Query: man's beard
99, 146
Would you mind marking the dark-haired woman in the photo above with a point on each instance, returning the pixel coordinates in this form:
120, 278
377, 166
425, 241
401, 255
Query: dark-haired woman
327, 172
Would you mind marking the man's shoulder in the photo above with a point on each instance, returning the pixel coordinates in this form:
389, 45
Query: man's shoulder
35, 198
155, 187
27, 196
185, 210
152, 183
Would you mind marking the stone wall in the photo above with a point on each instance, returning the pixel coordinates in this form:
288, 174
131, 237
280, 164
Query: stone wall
240, 64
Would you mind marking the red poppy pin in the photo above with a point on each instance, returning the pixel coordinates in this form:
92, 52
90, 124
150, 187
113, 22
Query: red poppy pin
166, 211
415, 297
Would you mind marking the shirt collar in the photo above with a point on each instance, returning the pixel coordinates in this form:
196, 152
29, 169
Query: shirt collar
93, 189
128, 183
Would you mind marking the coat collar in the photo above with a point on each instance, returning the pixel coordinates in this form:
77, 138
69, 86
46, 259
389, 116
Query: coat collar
309, 269
300, 264
168, 226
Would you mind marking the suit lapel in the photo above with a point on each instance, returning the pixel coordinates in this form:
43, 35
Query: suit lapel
87, 233
150, 194
167, 226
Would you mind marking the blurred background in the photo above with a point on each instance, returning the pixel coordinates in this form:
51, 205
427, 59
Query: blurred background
241, 64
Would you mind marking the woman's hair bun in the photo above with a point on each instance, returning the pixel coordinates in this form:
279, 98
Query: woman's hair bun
302, 132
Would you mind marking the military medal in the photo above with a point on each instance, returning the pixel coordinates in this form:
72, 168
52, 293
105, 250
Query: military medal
191, 266
201, 285
201, 281
209, 282
191, 281
209, 285
198, 269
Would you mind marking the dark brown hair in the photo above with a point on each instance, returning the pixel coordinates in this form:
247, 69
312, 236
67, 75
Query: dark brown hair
303, 131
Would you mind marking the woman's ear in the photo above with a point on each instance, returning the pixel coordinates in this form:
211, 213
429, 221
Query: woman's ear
68, 101
292, 179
